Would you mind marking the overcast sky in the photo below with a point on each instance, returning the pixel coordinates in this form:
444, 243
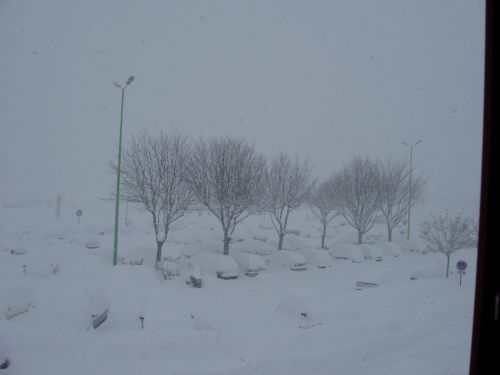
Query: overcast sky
326, 80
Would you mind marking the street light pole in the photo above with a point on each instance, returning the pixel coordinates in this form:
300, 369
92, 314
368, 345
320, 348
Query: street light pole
409, 185
117, 198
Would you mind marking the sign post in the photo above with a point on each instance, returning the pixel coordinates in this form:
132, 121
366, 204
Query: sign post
78, 214
461, 266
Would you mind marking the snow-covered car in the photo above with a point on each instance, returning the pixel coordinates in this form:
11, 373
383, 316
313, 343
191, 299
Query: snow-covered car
18, 300
193, 276
4, 362
99, 307
344, 251
317, 258
13, 247
250, 264
413, 245
290, 259
89, 241
293, 242
92, 243
135, 255
389, 248
223, 266
41, 267
253, 245
371, 252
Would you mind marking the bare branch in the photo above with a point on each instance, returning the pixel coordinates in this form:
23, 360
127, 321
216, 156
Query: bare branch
153, 175
446, 234
289, 184
358, 186
325, 204
228, 178
395, 192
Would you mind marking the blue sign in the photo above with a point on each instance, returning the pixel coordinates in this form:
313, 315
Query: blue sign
461, 265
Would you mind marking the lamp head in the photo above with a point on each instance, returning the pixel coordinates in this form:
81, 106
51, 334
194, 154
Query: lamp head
130, 80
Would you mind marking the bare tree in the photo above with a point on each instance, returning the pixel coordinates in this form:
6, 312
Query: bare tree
289, 184
153, 175
325, 204
475, 229
446, 234
228, 178
358, 188
395, 197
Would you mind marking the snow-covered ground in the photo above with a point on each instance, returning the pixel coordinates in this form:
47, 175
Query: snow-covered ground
415, 321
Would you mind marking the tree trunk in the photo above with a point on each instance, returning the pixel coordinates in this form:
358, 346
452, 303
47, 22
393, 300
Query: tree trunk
360, 237
389, 233
447, 264
227, 239
158, 252
323, 237
280, 242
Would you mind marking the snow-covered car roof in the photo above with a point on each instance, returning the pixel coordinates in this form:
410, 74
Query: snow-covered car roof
287, 258
317, 257
345, 251
224, 266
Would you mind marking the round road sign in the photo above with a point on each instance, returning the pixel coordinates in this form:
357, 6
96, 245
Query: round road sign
461, 265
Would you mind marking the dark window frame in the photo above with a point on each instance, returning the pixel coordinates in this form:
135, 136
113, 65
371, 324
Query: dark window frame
485, 347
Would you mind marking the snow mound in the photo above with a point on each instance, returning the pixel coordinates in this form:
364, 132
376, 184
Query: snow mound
249, 264
260, 238
413, 245
371, 252
54, 234
389, 248
345, 251
92, 243
289, 259
18, 300
223, 266
266, 227
169, 268
99, 307
203, 324
293, 305
293, 242
135, 255
348, 239
193, 276
317, 258
42, 268
89, 241
13, 247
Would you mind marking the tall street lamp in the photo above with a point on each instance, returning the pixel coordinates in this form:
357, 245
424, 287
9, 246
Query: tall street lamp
117, 198
409, 185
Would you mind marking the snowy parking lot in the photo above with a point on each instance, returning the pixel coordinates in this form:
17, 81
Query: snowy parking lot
413, 321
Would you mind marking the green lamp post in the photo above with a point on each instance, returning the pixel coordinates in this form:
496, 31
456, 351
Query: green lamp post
117, 198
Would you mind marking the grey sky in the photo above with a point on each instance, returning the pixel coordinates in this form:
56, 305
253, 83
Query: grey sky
322, 79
